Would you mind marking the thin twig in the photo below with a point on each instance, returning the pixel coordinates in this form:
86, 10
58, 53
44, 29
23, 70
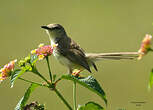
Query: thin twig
31, 82
50, 74
74, 95
39, 74
62, 98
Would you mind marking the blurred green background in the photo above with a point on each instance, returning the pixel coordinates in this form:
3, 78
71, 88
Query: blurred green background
98, 26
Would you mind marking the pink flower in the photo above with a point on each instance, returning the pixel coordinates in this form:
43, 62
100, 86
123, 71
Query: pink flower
145, 46
43, 51
6, 70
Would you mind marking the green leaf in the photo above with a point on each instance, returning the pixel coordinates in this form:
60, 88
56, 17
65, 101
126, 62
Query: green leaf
88, 82
25, 98
16, 74
33, 59
151, 79
90, 106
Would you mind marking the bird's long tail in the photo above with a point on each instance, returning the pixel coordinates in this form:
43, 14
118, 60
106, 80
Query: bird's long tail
112, 56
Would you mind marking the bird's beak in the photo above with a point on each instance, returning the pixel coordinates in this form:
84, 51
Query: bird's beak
45, 27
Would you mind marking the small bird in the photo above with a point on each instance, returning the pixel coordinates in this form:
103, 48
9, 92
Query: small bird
70, 54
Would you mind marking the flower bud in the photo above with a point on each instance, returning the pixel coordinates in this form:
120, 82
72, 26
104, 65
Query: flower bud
145, 46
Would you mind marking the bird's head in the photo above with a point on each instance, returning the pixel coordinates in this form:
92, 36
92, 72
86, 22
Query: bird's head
54, 30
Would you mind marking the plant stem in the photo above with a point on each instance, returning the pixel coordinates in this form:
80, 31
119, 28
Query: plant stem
31, 82
37, 73
50, 74
74, 96
62, 98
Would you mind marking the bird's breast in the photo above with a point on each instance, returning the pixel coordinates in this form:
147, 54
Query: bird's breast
63, 60
60, 56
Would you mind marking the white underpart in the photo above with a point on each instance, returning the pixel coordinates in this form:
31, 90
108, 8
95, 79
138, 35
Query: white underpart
64, 61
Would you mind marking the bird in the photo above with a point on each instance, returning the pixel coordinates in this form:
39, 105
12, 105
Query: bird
71, 55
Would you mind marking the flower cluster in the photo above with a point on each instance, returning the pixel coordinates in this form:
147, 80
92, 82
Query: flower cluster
6, 70
23, 62
145, 46
43, 51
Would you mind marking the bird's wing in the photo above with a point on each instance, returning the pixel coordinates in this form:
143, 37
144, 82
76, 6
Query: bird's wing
76, 55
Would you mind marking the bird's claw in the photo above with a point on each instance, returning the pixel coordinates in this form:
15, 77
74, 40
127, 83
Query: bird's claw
76, 73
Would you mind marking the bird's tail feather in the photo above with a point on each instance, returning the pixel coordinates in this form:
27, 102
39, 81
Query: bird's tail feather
112, 56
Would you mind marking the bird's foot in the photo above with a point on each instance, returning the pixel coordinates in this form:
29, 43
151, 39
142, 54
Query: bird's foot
76, 73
